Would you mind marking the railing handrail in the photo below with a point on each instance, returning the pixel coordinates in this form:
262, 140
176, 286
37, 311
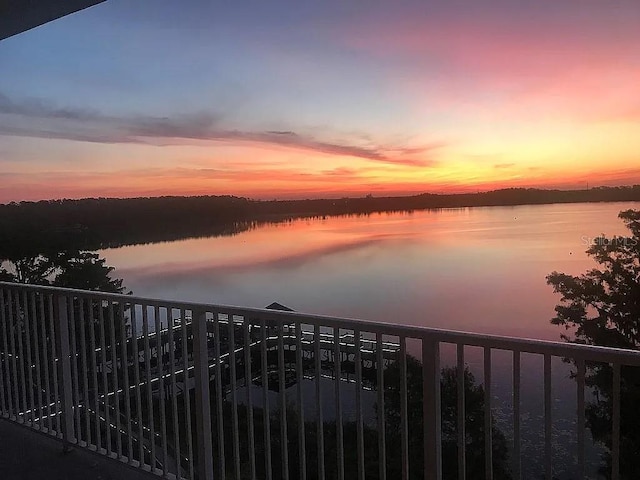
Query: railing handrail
499, 342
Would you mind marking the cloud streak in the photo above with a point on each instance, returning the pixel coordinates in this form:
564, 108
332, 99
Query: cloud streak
41, 119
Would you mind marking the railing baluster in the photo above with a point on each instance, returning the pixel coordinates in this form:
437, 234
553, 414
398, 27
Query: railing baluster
203, 405
319, 419
461, 427
65, 371
27, 340
219, 395
13, 321
547, 418
431, 409
488, 424
382, 447
54, 369
266, 415
284, 444
85, 371
187, 390
404, 425
302, 455
45, 364
36, 356
234, 400
105, 380
126, 385
580, 374
161, 389
114, 376
20, 358
148, 378
517, 470
337, 359
615, 427
94, 367
3, 360
174, 389
359, 418
74, 367
248, 385
135, 356
14, 363
7, 403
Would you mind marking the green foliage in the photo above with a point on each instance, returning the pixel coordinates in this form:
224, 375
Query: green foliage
602, 307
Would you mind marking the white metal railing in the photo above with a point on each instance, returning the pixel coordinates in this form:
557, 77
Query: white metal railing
188, 390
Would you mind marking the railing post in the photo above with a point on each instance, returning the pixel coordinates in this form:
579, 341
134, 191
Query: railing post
4, 411
431, 409
61, 319
203, 406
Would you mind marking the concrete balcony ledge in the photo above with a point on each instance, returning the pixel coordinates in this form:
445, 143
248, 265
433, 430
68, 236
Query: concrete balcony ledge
29, 455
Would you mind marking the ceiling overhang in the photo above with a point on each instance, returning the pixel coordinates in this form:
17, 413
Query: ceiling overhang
17, 16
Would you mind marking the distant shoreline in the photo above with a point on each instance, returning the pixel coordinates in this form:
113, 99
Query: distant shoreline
509, 196
29, 228
269, 210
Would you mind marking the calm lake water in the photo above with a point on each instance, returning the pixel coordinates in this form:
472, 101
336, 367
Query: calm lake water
474, 269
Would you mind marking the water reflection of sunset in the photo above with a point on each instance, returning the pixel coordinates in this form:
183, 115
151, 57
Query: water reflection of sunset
477, 269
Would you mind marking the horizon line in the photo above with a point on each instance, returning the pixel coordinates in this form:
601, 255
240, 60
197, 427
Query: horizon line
347, 197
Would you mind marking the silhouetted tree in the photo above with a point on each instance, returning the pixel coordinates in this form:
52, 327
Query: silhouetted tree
602, 307
86, 271
474, 413
35, 269
69, 269
5, 276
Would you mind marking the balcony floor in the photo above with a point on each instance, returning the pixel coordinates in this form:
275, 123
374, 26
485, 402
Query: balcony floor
28, 455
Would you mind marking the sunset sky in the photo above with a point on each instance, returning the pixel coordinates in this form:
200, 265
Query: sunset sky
271, 99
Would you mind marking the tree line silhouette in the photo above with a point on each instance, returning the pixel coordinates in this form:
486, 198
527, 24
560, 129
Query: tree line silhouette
47, 227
